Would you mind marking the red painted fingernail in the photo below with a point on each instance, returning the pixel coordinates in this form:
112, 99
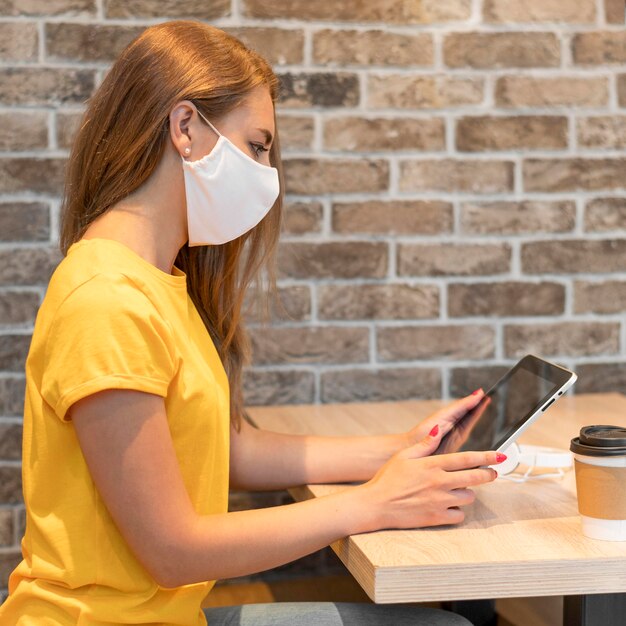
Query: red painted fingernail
500, 457
434, 431
474, 393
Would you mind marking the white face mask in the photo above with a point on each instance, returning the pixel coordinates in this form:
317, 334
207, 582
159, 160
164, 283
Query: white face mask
228, 193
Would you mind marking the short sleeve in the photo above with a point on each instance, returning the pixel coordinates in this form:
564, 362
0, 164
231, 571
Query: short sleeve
106, 334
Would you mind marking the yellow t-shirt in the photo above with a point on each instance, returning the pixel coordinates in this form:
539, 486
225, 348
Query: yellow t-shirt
110, 319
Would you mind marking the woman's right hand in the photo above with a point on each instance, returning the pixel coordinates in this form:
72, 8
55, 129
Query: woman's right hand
413, 490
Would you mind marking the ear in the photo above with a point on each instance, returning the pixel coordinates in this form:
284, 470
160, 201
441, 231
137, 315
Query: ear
182, 127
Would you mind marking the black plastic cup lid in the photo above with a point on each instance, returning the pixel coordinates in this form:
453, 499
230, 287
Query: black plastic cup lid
600, 441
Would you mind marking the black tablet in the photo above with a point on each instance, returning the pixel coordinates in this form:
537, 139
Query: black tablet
509, 407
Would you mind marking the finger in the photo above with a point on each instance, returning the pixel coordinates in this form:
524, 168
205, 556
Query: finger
460, 407
466, 460
470, 478
451, 516
462, 496
426, 446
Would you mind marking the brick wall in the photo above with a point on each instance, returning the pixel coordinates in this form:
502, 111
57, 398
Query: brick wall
456, 180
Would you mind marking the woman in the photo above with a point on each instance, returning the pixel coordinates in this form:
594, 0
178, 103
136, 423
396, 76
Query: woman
133, 429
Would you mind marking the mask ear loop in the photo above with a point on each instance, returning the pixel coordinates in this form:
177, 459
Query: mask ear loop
209, 123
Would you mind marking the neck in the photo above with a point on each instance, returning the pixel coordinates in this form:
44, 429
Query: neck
152, 220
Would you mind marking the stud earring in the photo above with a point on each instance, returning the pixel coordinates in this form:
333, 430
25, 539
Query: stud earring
187, 150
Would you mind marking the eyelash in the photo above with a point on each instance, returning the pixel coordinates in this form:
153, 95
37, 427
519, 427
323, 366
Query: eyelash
258, 149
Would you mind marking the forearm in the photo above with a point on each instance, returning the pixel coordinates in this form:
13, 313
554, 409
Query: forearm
240, 543
270, 460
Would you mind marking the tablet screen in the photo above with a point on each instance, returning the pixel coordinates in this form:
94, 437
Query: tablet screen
505, 407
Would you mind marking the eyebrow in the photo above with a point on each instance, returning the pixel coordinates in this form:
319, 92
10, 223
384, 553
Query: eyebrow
267, 134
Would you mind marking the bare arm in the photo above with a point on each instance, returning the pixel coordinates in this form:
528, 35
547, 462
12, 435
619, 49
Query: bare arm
127, 445
261, 459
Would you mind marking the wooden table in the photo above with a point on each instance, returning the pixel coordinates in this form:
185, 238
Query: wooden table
517, 540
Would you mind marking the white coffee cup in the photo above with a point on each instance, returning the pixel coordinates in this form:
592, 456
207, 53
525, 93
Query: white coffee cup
600, 465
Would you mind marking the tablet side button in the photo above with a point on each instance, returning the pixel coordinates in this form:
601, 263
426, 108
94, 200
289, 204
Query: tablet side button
547, 405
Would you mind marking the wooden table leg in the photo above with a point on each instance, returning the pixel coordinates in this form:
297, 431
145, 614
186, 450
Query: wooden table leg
479, 612
604, 609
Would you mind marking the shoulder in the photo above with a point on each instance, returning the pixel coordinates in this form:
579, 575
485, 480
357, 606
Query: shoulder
104, 302
104, 290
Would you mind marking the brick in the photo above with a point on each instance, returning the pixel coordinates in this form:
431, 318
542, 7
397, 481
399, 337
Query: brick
321, 175
564, 338
31, 174
323, 89
11, 485
377, 134
296, 132
602, 132
291, 303
599, 48
535, 91
10, 442
513, 218
402, 91
474, 176
6, 527
302, 217
388, 301
23, 130
511, 298
28, 266
18, 307
392, 384
68, 123
600, 377
88, 42
24, 221
47, 86
312, 344
494, 50
572, 11
279, 46
475, 134
621, 89
393, 217
602, 214
18, 41
195, 9
574, 255
451, 259
262, 387
614, 11
464, 380
341, 259
13, 352
372, 47
390, 11
12, 396
48, 8
408, 343
8, 562
607, 296
573, 174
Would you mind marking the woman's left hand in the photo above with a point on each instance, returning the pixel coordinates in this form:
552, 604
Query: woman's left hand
445, 418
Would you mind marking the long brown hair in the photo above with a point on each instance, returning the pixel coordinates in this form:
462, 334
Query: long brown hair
122, 137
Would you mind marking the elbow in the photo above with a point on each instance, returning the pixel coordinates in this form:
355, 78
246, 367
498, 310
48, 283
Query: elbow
167, 579
163, 573
169, 573
166, 564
